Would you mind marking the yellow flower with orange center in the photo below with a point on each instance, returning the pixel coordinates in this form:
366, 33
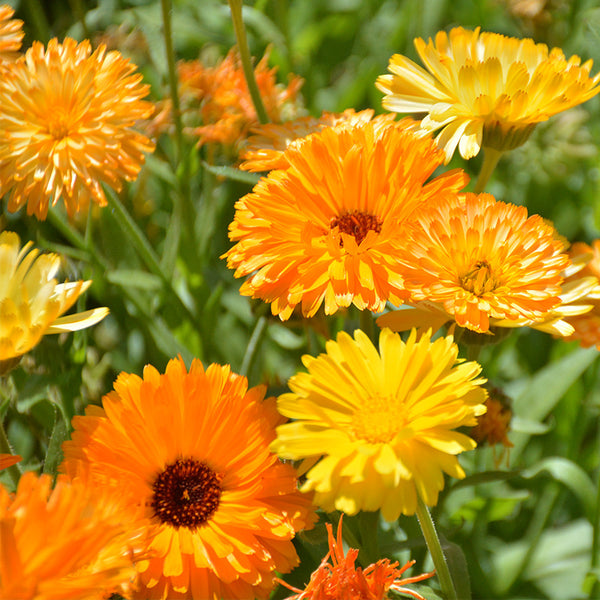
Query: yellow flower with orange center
192, 448
479, 261
382, 423
11, 34
485, 89
327, 230
63, 543
31, 300
343, 580
67, 126
266, 148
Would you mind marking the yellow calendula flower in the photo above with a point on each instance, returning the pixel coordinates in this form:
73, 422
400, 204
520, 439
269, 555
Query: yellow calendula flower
31, 300
383, 422
11, 34
192, 449
67, 126
326, 230
63, 543
484, 89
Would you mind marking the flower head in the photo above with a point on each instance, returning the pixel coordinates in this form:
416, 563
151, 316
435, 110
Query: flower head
11, 34
31, 300
226, 108
327, 229
343, 580
480, 261
383, 422
66, 543
265, 150
66, 126
485, 89
192, 448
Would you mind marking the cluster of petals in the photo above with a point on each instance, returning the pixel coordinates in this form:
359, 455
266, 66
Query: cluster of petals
11, 34
382, 423
192, 448
265, 149
482, 263
221, 98
67, 126
31, 299
327, 229
342, 579
485, 89
66, 542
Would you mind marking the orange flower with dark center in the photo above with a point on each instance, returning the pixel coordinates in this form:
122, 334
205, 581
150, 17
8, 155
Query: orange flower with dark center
67, 126
343, 580
477, 260
192, 448
328, 229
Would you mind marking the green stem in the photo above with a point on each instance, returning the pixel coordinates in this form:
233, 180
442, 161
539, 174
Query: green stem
37, 20
435, 549
79, 12
5, 448
245, 57
368, 524
595, 562
491, 157
253, 345
367, 324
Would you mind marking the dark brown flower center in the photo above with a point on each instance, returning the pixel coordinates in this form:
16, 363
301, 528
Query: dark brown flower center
186, 493
356, 224
479, 279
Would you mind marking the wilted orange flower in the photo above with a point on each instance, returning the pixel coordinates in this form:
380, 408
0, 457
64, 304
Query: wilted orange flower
327, 230
66, 543
66, 126
586, 327
479, 260
192, 448
343, 580
226, 108
485, 89
31, 300
11, 34
266, 148
493, 426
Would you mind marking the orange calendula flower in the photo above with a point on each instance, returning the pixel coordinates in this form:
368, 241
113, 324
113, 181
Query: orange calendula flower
343, 580
31, 300
11, 34
265, 150
66, 126
327, 230
586, 327
192, 448
383, 422
485, 89
226, 108
479, 260
66, 543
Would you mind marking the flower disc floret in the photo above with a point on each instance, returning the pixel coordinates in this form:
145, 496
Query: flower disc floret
384, 422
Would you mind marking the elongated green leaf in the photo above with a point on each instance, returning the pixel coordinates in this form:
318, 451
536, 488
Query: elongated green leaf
134, 279
60, 433
232, 173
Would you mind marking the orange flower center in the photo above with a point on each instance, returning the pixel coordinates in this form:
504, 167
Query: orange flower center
59, 124
357, 224
186, 493
378, 420
479, 279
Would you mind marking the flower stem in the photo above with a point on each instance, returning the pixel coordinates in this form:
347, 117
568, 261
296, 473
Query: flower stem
433, 544
13, 471
366, 324
491, 156
244, 50
256, 338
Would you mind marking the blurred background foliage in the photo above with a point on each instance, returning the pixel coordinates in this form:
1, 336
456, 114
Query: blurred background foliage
529, 530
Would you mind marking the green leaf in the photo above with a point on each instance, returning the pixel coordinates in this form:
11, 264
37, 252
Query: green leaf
459, 571
232, 173
132, 278
572, 476
54, 454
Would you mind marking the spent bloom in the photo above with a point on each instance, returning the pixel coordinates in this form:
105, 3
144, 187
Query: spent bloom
67, 126
479, 262
327, 230
266, 146
225, 105
383, 422
63, 543
192, 449
484, 89
31, 300
343, 580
